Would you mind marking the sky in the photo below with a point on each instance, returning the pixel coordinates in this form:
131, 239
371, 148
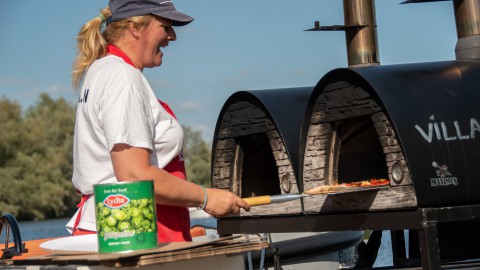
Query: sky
230, 46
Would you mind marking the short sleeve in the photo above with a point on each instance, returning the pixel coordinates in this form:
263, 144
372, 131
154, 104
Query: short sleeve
126, 117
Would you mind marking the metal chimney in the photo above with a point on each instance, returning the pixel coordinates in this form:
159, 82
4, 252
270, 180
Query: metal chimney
362, 48
360, 32
467, 19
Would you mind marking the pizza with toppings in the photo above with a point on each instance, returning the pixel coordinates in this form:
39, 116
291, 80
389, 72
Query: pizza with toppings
345, 187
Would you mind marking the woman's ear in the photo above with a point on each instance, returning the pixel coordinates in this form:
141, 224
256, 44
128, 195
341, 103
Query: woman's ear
136, 33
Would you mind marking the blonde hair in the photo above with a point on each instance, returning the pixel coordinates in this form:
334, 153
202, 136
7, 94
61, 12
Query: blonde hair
92, 42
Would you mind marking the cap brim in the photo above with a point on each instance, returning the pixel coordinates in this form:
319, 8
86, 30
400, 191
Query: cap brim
178, 18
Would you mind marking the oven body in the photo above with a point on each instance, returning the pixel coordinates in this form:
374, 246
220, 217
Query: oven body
414, 124
256, 145
423, 118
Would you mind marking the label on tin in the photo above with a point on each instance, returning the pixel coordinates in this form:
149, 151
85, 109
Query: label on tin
126, 217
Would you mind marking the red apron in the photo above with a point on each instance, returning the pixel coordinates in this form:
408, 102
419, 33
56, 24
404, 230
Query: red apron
173, 222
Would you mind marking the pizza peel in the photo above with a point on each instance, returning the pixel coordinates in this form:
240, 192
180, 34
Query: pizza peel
269, 199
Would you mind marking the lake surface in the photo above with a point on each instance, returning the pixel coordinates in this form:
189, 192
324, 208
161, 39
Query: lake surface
56, 228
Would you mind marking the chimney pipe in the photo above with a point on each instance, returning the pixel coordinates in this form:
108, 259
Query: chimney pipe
362, 48
467, 19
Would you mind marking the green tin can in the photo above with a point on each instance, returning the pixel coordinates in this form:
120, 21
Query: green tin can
126, 216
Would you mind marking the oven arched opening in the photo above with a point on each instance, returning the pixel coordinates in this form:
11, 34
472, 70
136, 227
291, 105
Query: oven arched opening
255, 169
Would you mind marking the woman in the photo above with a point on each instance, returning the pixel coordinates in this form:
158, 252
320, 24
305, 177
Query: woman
122, 131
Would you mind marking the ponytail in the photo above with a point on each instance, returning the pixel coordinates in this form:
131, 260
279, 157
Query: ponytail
91, 45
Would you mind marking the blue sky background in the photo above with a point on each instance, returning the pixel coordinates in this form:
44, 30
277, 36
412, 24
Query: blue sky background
231, 46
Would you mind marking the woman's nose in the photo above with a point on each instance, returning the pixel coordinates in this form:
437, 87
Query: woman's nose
171, 34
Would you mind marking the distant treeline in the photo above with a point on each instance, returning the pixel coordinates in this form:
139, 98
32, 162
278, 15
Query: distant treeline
36, 159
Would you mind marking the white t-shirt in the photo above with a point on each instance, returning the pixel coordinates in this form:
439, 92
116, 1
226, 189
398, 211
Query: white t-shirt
117, 105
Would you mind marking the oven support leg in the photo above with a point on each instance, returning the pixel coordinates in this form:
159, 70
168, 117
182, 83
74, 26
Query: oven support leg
398, 247
429, 248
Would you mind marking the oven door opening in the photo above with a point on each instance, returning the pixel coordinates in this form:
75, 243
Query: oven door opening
255, 170
360, 154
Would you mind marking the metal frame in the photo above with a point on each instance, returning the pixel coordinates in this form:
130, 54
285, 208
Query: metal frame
11, 224
422, 220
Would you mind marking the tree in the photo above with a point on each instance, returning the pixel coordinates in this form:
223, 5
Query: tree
10, 139
197, 155
10, 124
36, 178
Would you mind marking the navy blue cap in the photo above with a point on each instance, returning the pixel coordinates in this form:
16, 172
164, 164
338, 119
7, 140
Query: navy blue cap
122, 9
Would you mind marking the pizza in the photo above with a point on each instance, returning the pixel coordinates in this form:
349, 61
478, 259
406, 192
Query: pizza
345, 187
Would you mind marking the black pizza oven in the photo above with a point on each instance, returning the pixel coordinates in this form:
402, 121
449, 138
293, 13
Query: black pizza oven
257, 138
417, 125
414, 124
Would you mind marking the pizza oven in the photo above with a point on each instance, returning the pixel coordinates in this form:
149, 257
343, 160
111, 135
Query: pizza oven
413, 124
257, 138
416, 125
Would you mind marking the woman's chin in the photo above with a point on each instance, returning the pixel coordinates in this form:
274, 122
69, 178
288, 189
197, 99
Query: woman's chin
155, 64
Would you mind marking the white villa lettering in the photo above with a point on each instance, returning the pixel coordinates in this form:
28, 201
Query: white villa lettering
444, 131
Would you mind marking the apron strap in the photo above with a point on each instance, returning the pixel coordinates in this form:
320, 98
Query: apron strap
80, 209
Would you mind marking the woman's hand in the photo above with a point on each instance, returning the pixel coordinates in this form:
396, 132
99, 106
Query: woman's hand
222, 203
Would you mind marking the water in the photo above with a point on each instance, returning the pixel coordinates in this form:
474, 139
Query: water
384, 257
30, 230
56, 228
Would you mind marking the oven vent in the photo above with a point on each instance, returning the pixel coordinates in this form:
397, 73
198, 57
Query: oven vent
467, 17
360, 32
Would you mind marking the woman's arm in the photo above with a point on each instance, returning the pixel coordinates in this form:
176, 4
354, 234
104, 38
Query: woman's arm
132, 163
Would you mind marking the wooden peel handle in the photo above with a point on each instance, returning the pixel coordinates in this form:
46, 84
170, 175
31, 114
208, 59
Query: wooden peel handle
259, 200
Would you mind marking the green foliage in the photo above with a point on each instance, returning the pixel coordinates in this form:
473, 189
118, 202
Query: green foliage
10, 121
36, 161
197, 155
